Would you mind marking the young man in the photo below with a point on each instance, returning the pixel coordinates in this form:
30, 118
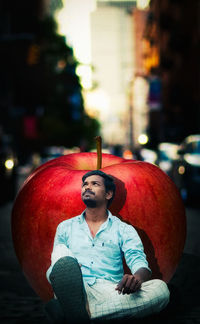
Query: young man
86, 270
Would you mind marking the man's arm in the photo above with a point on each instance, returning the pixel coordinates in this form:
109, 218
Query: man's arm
135, 259
132, 283
143, 274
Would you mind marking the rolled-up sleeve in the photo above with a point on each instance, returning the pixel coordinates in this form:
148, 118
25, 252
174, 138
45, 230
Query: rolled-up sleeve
133, 249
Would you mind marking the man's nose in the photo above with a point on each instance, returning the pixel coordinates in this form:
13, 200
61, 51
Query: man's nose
88, 186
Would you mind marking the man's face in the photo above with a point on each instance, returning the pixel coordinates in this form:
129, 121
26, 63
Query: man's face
94, 193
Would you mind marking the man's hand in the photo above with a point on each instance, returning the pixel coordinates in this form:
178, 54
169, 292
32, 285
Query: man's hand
132, 283
129, 284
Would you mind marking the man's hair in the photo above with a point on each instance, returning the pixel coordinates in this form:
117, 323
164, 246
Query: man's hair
108, 181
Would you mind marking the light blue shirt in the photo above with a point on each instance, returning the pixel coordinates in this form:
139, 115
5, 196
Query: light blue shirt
102, 256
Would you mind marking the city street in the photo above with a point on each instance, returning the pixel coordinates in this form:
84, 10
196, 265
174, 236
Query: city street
19, 303
110, 79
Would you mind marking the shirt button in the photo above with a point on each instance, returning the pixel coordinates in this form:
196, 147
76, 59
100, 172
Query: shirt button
92, 244
91, 262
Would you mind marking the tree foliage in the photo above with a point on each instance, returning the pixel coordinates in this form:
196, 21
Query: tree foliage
65, 121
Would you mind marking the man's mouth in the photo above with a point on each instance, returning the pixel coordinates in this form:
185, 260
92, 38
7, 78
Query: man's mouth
88, 193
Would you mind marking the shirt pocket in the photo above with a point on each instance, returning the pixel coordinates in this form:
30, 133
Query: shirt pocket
109, 248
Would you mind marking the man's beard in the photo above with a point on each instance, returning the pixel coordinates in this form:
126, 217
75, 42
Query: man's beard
90, 203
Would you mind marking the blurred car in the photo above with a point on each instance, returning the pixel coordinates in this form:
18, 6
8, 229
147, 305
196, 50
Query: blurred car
52, 152
148, 155
167, 154
8, 177
187, 170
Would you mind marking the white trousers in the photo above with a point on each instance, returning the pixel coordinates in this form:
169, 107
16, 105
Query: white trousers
105, 302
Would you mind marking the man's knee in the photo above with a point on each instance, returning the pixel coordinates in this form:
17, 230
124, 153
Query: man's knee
161, 293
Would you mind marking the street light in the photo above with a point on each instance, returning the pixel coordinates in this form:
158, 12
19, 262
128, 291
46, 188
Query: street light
143, 139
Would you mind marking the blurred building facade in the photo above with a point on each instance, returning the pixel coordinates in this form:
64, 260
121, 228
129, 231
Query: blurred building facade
171, 54
119, 93
40, 94
17, 32
139, 108
146, 75
112, 48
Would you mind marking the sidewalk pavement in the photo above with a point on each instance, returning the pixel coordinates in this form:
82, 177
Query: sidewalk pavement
19, 303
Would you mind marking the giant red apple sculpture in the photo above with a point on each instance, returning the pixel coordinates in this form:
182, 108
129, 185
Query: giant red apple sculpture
145, 197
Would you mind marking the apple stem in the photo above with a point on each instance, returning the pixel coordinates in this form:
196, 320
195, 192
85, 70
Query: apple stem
99, 152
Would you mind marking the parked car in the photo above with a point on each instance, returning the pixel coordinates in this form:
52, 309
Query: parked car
167, 154
148, 155
51, 152
187, 169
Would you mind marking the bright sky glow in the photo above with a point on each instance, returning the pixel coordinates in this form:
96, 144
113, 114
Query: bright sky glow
85, 74
143, 4
97, 101
74, 22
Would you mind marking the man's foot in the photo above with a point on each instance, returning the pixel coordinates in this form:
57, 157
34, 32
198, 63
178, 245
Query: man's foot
54, 312
67, 282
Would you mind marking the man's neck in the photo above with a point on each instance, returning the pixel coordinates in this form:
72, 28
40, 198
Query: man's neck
96, 215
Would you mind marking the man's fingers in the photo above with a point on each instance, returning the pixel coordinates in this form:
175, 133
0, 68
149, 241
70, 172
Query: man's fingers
127, 287
136, 285
121, 284
129, 284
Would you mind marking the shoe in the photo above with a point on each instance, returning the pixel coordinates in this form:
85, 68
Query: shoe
54, 312
67, 282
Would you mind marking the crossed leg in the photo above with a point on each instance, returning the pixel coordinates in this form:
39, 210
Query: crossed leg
100, 300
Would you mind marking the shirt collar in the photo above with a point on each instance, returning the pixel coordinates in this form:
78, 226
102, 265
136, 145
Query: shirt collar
82, 216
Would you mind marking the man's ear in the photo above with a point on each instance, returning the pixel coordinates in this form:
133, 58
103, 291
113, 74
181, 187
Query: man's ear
109, 194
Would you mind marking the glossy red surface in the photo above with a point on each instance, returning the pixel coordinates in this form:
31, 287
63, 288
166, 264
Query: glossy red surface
145, 197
